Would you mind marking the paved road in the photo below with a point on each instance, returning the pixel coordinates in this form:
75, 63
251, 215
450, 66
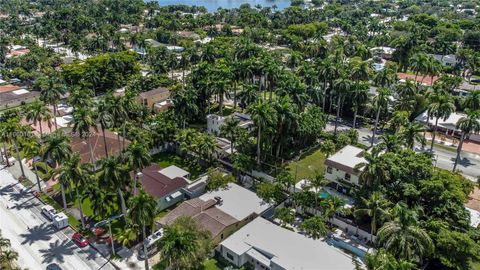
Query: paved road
469, 164
36, 240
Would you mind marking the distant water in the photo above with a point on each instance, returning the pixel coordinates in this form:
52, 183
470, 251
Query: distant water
213, 5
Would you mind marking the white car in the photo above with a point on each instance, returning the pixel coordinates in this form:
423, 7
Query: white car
49, 211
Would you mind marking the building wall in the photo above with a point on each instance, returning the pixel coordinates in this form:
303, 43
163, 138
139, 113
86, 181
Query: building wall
162, 203
214, 122
334, 174
151, 100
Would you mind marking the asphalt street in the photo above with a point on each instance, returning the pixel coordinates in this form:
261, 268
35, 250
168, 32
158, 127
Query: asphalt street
469, 164
36, 240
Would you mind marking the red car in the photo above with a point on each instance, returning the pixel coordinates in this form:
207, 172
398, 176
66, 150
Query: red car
79, 240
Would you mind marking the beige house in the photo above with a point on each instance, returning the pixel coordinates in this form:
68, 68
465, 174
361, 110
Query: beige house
153, 98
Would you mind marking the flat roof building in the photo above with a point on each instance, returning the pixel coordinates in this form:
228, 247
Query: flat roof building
340, 167
268, 246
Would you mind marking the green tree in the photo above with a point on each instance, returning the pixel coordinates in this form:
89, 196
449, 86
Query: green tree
218, 180
382, 260
376, 207
115, 175
314, 227
441, 106
137, 158
469, 124
285, 215
56, 146
142, 210
380, 102
373, 171
403, 237
263, 115
37, 113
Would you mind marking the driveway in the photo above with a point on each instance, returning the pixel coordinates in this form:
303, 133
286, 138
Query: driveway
36, 240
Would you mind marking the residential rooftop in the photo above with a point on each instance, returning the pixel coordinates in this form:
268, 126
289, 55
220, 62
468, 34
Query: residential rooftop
346, 159
237, 201
284, 249
158, 184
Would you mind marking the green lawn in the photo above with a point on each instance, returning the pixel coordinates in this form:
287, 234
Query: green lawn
307, 166
166, 159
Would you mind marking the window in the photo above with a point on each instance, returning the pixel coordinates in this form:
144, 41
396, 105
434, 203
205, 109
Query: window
230, 256
347, 176
221, 236
329, 169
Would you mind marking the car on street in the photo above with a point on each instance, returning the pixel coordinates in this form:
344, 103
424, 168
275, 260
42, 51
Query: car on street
49, 211
53, 266
78, 239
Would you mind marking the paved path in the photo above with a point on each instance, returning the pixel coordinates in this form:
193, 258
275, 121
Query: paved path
36, 240
469, 164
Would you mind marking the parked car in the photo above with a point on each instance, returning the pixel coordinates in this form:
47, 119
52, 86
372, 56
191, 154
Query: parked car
53, 266
49, 211
79, 240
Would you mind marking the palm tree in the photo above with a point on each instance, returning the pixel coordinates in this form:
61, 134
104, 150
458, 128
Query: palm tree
441, 106
403, 237
314, 227
419, 64
143, 208
56, 146
115, 175
51, 92
12, 127
359, 96
285, 215
382, 260
37, 112
390, 142
83, 120
73, 171
380, 102
376, 208
331, 206
137, 157
263, 115
287, 120
231, 130
373, 171
341, 86
468, 124
472, 101
411, 132
183, 244
9, 257
104, 118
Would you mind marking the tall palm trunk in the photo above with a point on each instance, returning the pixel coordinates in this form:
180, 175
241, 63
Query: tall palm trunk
338, 114
55, 116
122, 204
355, 112
258, 145
220, 101
64, 199
5, 152
19, 158
92, 158
80, 206
234, 95
459, 150
41, 129
434, 133
104, 139
324, 94
145, 246
36, 176
375, 128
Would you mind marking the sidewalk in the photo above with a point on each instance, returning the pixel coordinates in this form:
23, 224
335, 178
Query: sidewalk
17, 172
442, 139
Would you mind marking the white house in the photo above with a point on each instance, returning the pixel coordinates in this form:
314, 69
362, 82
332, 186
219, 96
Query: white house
215, 122
384, 52
448, 60
449, 125
268, 246
340, 167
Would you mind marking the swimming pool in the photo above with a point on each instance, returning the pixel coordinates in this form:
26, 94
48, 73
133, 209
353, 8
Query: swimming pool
343, 245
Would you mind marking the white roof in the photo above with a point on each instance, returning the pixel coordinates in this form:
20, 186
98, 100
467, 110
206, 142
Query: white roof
174, 172
450, 123
349, 156
474, 217
285, 248
64, 121
237, 201
20, 92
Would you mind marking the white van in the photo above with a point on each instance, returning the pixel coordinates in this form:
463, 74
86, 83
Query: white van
60, 220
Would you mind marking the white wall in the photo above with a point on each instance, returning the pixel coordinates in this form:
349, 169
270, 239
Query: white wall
339, 174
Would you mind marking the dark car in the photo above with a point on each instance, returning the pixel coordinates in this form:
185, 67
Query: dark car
54, 266
79, 240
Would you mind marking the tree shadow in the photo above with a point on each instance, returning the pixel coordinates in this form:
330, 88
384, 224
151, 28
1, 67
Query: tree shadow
27, 204
6, 190
465, 162
90, 252
42, 232
57, 251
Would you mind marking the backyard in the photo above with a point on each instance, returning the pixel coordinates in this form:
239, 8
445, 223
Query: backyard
166, 159
308, 166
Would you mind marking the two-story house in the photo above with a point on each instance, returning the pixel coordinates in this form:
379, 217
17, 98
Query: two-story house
340, 168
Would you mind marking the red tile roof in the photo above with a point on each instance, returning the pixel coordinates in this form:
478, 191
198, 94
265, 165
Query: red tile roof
428, 80
8, 88
159, 185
